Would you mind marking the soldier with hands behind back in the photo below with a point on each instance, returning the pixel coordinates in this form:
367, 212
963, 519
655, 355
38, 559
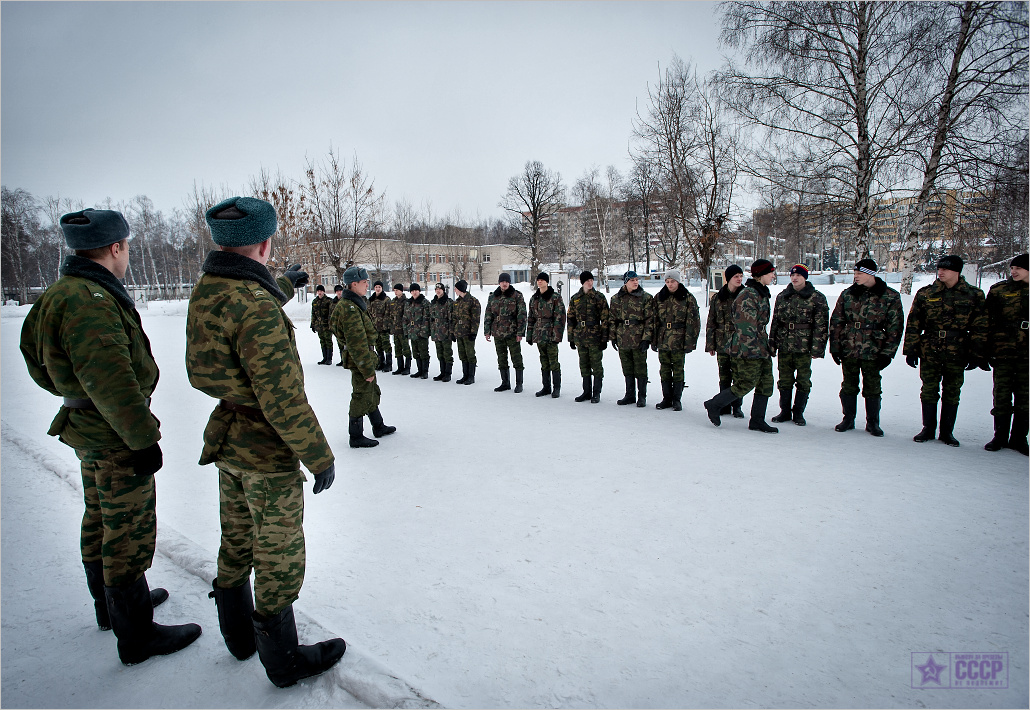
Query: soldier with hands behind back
441, 331
546, 328
588, 335
378, 311
396, 316
416, 329
320, 309
1008, 348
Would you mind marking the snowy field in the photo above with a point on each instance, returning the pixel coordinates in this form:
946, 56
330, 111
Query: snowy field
504, 550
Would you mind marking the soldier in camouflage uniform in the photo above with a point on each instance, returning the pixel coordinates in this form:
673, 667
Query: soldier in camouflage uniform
379, 312
465, 315
865, 330
588, 334
442, 332
240, 349
946, 334
1008, 347
396, 317
83, 340
799, 331
337, 295
752, 354
505, 320
677, 327
417, 330
631, 330
546, 328
352, 324
320, 309
719, 332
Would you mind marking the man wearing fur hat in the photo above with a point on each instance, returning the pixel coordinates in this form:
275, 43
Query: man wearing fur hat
397, 317
865, 331
442, 332
546, 327
945, 335
240, 349
1008, 347
378, 311
588, 335
505, 322
337, 295
320, 309
416, 329
798, 333
465, 314
719, 332
631, 322
83, 340
677, 327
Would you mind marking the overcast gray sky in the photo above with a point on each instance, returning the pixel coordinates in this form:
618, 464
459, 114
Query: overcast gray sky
441, 101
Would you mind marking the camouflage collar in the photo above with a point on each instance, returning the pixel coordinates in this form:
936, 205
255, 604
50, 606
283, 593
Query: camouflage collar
679, 295
438, 299
877, 289
726, 295
236, 266
75, 265
544, 294
510, 293
758, 286
377, 296
806, 291
351, 296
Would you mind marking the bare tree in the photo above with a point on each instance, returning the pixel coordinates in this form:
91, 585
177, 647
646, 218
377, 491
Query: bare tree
293, 219
145, 222
599, 196
19, 228
534, 197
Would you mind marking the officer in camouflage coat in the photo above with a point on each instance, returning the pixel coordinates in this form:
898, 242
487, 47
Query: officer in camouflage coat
241, 350
677, 326
631, 330
466, 312
442, 332
588, 334
865, 331
752, 354
799, 331
396, 316
320, 309
719, 332
417, 329
1008, 348
946, 334
379, 312
546, 328
83, 341
505, 321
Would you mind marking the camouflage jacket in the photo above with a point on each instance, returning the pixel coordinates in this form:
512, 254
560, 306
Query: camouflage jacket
750, 317
947, 324
588, 318
465, 314
505, 315
719, 329
631, 318
867, 323
677, 321
546, 323
83, 339
416, 318
320, 310
240, 347
352, 324
440, 318
395, 314
1008, 317
800, 322
379, 311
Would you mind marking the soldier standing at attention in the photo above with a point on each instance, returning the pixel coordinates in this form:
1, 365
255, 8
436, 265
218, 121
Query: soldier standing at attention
752, 355
442, 332
799, 331
320, 309
719, 332
465, 314
337, 295
1008, 318
83, 341
677, 324
396, 317
505, 320
240, 349
378, 311
865, 331
588, 334
631, 324
354, 327
945, 335
416, 329
546, 328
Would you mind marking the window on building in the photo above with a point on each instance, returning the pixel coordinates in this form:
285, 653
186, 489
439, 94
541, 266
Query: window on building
486, 257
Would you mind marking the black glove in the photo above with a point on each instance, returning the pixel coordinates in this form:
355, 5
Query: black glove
297, 277
604, 345
148, 461
644, 345
973, 363
912, 360
454, 338
324, 479
615, 346
572, 345
882, 361
529, 340
836, 357
985, 364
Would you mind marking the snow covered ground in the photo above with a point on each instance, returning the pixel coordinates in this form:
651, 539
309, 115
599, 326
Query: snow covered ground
502, 550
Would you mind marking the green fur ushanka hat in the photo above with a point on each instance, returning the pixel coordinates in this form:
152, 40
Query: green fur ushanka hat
241, 221
92, 229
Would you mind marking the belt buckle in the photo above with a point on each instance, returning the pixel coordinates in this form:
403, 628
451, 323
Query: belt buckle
1025, 325
582, 324
790, 326
942, 334
668, 326
858, 324
626, 322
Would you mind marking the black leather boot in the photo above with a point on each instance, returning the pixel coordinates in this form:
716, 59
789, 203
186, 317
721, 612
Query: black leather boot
1017, 439
677, 395
423, 369
286, 661
631, 391
379, 428
471, 378
586, 389
798, 412
666, 402
596, 396
400, 364
929, 423
785, 414
848, 403
545, 377
443, 368
949, 412
505, 381
447, 367
417, 374
757, 422
715, 404
407, 365
738, 413
1001, 436
95, 583
323, 360
235, 608
464, 373
872, 416
555, 384
388, 361
518, 380
132, 618
642, 391
358, 440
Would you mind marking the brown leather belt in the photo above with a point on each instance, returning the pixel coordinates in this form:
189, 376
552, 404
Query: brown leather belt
73, 403
241, 408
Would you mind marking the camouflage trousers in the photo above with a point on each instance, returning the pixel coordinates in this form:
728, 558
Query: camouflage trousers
725, 371
941, 381
1010, 382
467, 350
382, 342
590, 360
548, 357
400, 346
262, 518
325, 338
752, 374
364, 395
851, 368
339, 344
119, 525
794, 368
634, 362
444, 351
506, 346
420, 348
670, 365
